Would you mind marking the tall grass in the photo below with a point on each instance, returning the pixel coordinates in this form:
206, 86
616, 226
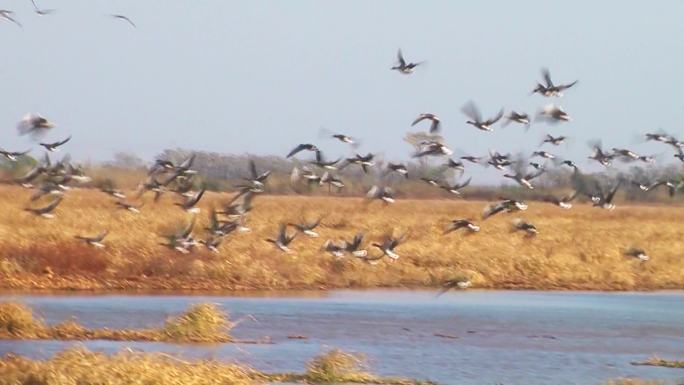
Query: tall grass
203, 322
17, 320
337, 366
83, 367
80, 366
200, 323
581, 248
655, 361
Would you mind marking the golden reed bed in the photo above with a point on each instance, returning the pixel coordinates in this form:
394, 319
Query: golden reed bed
579, 248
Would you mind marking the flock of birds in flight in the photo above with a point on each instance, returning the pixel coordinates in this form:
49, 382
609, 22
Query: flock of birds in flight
9, 15
54, 179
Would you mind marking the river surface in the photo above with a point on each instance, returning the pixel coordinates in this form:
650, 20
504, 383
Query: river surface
500, 336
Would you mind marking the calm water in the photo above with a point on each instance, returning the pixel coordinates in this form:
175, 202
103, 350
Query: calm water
503, 337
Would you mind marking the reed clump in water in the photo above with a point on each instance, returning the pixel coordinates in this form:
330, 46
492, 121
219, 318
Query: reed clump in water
203, 322
655, 361
80, 366
634, 381
200, 323
337, 366
17, 320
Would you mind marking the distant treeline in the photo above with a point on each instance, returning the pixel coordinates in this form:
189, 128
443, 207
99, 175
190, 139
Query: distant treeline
220, 172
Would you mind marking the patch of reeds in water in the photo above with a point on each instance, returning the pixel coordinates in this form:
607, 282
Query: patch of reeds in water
80, 366
200, 323
655, 361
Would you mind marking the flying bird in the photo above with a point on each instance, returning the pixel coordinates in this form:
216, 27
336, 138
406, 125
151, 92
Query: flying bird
13, 155
461, 283
364, 161
528, 228
337, 250
563, 202
307, 227
543, 154
402, 66
354, 246
46, 211
517, 117
54, 146
656, 137
435, 122
603, 157
472, 159
637, 253
129, 206
548, 88
432, 148
388, 245
454, 188
7, 15
190, 202
344, 138
382, 193
553, 113
476, 120
458, 224
322, 163
554, 140
95, 241
283, 240
124, 18
398, 168
302, 147
604, 199
182, 240
625, 154
40, 11
506, 205
34, 124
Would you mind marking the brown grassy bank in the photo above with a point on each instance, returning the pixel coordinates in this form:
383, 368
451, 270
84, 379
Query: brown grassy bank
200, 323
80, 366
581, 248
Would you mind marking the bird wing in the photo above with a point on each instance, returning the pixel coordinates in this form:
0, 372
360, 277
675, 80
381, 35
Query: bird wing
400, 58
434, 127
495, 118
253, 170
562, 87
188, 229
492, 209
186, 164
51, 206
57, 144
611, 194
297, 149
547, 77
419, 119
471, 111
464, 184
122, 17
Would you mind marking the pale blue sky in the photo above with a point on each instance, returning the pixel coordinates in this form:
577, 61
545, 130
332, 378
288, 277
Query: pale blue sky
262, 76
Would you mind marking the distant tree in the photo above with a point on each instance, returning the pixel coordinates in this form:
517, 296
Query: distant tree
127, 160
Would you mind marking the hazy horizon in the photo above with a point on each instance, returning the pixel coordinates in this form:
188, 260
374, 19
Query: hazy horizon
261, 77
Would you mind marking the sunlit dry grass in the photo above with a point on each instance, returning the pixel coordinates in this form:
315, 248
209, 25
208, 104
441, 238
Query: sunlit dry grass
202, 322
80, 366
579, 248
655, 361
